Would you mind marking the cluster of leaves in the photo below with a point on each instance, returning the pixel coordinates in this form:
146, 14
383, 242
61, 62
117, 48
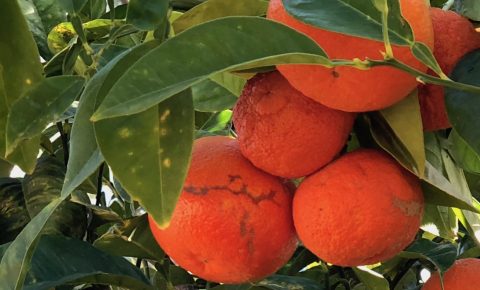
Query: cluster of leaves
123, 90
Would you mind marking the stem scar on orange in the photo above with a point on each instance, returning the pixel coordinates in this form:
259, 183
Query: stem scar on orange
350, 89
233, 222
361, 209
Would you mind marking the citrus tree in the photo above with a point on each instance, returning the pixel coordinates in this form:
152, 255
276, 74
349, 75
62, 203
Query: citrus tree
220, 144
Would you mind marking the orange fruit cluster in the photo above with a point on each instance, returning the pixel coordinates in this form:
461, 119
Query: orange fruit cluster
238, 217
455, 36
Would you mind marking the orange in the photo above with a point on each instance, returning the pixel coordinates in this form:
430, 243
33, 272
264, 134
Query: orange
350, 89
463, 275
233, 222
361, 209
455, 36
285, 133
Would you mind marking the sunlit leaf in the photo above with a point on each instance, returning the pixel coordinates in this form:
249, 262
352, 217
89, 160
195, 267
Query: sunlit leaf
358, 18
371, 279
43, 104
20, 69
405, 120
213, 9
238, 43
85, 156
152, 162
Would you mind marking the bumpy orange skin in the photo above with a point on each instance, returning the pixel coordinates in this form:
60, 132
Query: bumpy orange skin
285, 133
455, 36
350, 89
361, 209
463, 275
233, 222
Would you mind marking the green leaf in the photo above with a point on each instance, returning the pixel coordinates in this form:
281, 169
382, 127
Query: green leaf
43, 104
16, 260
13, 212
20, 69
94, 9
436, 187
409, 281
239, 43
208, 96
72, 6
371, 279
386, 138
468, 8
5, 168
85, 156
134, 239
463, 107
357, 18
55, 263
405, 120
185, 4
147, 14
440, 221
470, 220
216, 124
438, 190
153, 160
433, 150
42, 16
442, 255
463, 154
43, 186
425, 55
301, 259
231, 82
213, 9
281, 282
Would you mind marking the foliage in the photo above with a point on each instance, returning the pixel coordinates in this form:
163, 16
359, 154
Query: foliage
113, 101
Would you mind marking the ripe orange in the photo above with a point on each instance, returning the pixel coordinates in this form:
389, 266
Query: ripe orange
455, 36
285, 133
350, 89
361, 209
233, 222
463, 275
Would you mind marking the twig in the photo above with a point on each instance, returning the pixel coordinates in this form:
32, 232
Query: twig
98, 198
64, 138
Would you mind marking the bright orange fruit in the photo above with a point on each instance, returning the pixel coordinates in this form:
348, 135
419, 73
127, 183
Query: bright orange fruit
285, 133
463, 275
350, 89
233, 222
361, 209
455, 36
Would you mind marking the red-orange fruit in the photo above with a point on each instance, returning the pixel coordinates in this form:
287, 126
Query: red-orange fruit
361, 209
233, 222
350, 89
455, 36
463, 275
285, 133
